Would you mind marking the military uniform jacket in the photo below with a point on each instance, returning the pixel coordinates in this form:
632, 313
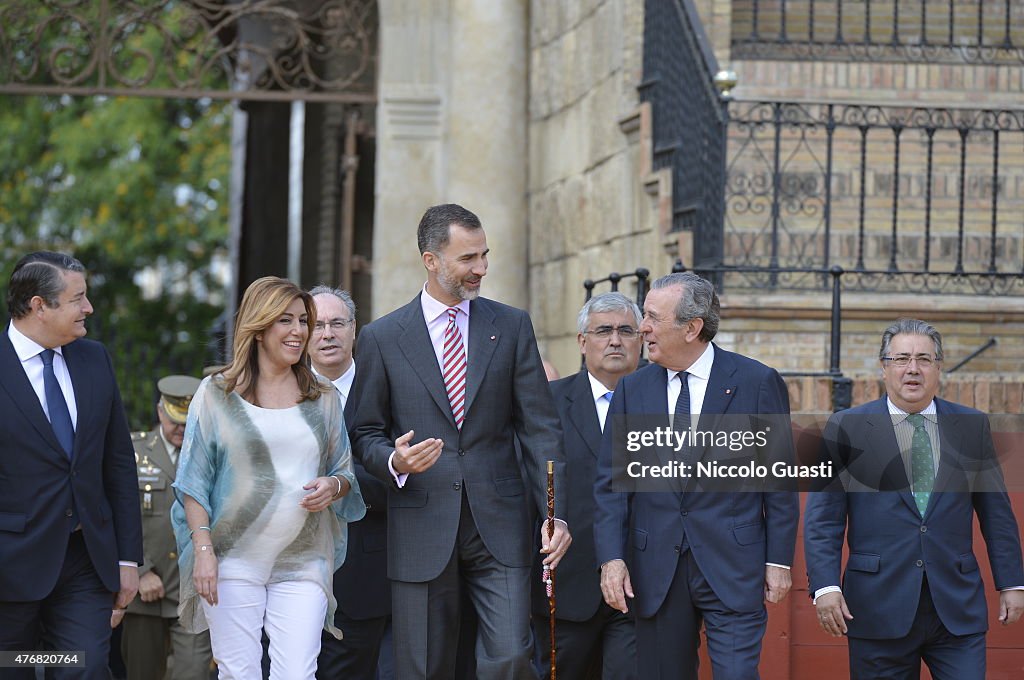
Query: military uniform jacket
156, 475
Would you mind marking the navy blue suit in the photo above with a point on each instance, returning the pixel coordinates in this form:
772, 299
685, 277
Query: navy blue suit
41, 489
714, 541
591, 636
361, 585
898, 559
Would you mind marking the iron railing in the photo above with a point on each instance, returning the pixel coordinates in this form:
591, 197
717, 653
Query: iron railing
909, 198
972, 31
244, 49
688, 118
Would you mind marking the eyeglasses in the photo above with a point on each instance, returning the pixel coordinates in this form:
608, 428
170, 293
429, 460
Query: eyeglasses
335, 324
605, 332
902, 361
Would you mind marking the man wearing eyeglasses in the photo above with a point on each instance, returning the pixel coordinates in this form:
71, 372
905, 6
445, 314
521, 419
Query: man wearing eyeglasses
592, 639
360, 584
683, 557
912, 590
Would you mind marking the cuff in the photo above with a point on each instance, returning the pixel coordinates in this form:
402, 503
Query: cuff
1003, 590
824, 591
127, 563
399, 477
780, 566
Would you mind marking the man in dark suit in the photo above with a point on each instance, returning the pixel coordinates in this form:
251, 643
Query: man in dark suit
462, 375
70, 532
592, 639
694, 556
151, 630
912, 590
360, 584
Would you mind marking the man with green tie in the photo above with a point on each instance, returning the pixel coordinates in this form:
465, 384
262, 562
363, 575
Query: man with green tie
915, 471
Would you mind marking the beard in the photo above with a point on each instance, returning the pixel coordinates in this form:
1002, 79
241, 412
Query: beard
454, 286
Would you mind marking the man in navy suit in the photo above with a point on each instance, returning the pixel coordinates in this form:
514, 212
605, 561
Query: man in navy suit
592, 639
912, 589
686, 556
70, 528
361, 583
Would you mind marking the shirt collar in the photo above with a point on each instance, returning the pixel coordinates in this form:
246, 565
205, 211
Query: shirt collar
433, 308
899, 415
597, 387
701, 368
24, 346
344, 381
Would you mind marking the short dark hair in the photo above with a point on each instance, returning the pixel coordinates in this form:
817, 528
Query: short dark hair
911, 327
40, 273
433, 233
698, 301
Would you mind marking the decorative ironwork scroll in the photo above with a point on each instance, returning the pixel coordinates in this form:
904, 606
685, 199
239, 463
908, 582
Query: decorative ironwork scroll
318, 50
901, 198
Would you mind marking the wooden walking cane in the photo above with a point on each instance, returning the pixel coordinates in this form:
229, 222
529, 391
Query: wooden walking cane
549, 573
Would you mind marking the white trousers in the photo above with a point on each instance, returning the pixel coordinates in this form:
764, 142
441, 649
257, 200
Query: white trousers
293, 614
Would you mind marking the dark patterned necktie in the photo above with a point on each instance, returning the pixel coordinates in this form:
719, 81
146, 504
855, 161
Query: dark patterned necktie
60, 417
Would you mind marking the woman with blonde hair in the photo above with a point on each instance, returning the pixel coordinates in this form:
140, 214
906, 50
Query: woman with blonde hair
265, 455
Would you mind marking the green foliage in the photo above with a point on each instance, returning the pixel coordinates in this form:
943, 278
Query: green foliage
137, 189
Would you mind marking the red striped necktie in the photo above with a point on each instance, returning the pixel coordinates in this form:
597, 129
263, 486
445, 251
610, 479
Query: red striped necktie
455, 368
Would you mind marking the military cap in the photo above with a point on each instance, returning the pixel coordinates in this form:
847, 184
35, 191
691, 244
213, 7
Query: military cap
176, 393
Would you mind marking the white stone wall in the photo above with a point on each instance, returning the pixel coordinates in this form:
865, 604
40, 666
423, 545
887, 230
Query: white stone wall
589, 211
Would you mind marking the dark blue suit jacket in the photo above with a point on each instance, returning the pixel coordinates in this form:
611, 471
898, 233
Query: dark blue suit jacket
39, 485
579, 581
731, 534
892, 547
361, 583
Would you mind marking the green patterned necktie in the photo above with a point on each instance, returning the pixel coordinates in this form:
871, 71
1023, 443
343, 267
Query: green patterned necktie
922, 463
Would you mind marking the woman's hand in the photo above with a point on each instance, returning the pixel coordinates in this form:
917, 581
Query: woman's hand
323, 492
204, 573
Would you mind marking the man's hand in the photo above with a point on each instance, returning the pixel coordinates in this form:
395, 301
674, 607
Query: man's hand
777, 582
151, 588
832, 613
1011, 606
418, 457
615, 585
129, 586
556, 547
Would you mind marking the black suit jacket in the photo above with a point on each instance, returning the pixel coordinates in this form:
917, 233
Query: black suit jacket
578, 578
361, 583
39, 485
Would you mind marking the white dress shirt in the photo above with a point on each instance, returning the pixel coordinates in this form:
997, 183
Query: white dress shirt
29, 352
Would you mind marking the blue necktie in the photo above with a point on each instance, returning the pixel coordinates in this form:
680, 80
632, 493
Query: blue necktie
681, 415
60, 417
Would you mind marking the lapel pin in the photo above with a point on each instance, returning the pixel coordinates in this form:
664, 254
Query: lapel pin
494, 337
728, 391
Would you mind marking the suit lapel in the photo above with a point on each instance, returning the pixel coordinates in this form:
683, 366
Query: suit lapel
14, 381
483, 339
583, 412
722, 386
82, 386
158, 456
885, 453
419, 352
951, 434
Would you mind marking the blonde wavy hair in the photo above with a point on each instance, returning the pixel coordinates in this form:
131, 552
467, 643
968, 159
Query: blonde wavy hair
263, 303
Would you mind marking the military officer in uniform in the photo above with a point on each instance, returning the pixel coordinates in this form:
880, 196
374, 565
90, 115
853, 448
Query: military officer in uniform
151, 627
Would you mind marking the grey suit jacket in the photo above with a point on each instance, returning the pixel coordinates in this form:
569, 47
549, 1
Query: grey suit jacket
400, 388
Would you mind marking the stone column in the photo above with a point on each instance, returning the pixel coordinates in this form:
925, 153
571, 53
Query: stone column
451, 128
